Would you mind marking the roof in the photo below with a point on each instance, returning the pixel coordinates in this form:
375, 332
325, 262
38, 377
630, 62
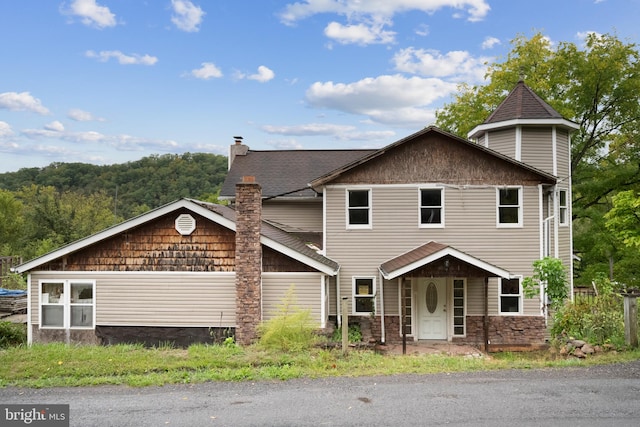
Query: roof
430, 129
430, 252
286, 172
522, 105
271, 236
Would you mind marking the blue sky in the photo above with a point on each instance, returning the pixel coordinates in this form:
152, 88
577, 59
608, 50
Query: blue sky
111, 81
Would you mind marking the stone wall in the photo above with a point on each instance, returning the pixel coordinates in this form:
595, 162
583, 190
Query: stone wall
506, 332
67, 336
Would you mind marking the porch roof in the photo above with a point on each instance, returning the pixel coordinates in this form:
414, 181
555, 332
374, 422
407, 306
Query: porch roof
432, 252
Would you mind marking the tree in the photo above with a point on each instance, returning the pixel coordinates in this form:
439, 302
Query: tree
11, 223
550, 274
597, 86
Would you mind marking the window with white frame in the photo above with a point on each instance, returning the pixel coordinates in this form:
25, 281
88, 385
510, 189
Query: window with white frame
359, 208
364, 291
510, 296
509, 207
431, 207
68, 304
563, 207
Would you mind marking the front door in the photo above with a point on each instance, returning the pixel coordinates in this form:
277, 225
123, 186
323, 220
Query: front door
432, 299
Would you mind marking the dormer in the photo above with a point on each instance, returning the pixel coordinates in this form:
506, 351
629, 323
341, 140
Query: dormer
526, 128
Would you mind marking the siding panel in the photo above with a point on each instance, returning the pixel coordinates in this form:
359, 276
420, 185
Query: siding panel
307, 289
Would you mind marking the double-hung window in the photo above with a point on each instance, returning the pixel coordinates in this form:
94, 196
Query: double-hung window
509, 207
510, 296
364, 292
563, 207
67, 304
359, 208
431, 207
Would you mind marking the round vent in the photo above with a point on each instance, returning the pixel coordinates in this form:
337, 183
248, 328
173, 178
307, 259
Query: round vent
185, 224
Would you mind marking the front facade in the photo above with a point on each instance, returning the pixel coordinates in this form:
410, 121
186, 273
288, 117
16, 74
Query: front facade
428, 238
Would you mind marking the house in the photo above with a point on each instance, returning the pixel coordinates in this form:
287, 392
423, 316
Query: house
428, 238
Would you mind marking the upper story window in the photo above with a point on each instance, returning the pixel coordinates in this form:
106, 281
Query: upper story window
431, 207
510, 296
359, 208
563, 207
509, 207
364, 291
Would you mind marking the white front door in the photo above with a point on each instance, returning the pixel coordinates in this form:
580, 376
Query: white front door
432, 300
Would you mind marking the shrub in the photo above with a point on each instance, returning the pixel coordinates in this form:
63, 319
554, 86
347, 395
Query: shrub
12, 334
291, 329
354, 334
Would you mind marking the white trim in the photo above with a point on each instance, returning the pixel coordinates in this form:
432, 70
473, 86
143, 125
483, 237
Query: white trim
486, 139
442, 253
382, 327
367, 226
465, 304
520, 206
324, 296
520, 296
66, 303
29, 322
420, 206
566, 207
554, 148
541, 219
515, 122
58, 273
518, 147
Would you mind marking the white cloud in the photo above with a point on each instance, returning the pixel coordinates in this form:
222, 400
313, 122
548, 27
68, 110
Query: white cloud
22, 101
83, 116
422, 30
5, 130
361, 34
285, 144
355, 9
389, 99
454, 65
91, 14
376, 135
187, 16
133, 59
309, 129
263, 75
55, 126
490, 42
208, 70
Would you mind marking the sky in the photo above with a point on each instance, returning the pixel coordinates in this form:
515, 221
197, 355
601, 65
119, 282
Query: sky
112, 81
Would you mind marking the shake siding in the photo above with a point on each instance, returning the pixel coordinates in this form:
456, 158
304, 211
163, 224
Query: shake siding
503, 141
304, 215
307, 290
470, 226
537, 148
154, 298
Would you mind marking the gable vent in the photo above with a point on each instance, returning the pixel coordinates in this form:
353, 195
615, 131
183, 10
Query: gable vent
185, 224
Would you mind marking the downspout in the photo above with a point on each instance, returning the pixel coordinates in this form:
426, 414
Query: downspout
570, 218
382, 330
486, 315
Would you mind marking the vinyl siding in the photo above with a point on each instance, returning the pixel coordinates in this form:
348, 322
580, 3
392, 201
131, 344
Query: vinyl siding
537, 148
154, 298
470, 226
307, 290
303, 215
503, 141
563, 149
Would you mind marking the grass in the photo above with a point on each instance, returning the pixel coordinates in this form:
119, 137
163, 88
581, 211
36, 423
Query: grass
53, 365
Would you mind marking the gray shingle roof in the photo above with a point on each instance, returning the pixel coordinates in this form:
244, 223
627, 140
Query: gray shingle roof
286, 172
522, 103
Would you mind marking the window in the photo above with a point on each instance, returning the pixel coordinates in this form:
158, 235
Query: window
431, 207
510, 296
563, 207
67, 304
359, 209
458, 307
509, 207
406, 301
364, 290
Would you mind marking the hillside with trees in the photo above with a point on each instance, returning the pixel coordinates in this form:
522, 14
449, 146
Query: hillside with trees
44, 208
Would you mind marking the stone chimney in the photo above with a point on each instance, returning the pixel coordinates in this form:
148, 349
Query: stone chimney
237, 149
248, 260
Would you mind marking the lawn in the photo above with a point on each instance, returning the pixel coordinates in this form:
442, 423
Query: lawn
53, 365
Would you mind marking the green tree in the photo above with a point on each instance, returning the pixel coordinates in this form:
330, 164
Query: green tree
550, 273
596, 85
11, 223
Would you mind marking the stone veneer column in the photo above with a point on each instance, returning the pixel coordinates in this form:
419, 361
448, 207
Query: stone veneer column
248, 263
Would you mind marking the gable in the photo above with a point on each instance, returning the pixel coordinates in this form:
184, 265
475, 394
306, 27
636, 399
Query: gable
437, 157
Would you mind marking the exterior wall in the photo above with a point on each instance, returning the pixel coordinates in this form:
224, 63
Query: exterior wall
470, 226
305, 215
563, 150
537, 147
503, 141
307, 289
506, 331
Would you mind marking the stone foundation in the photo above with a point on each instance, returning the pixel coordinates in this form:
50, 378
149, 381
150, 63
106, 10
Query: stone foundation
68, 336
